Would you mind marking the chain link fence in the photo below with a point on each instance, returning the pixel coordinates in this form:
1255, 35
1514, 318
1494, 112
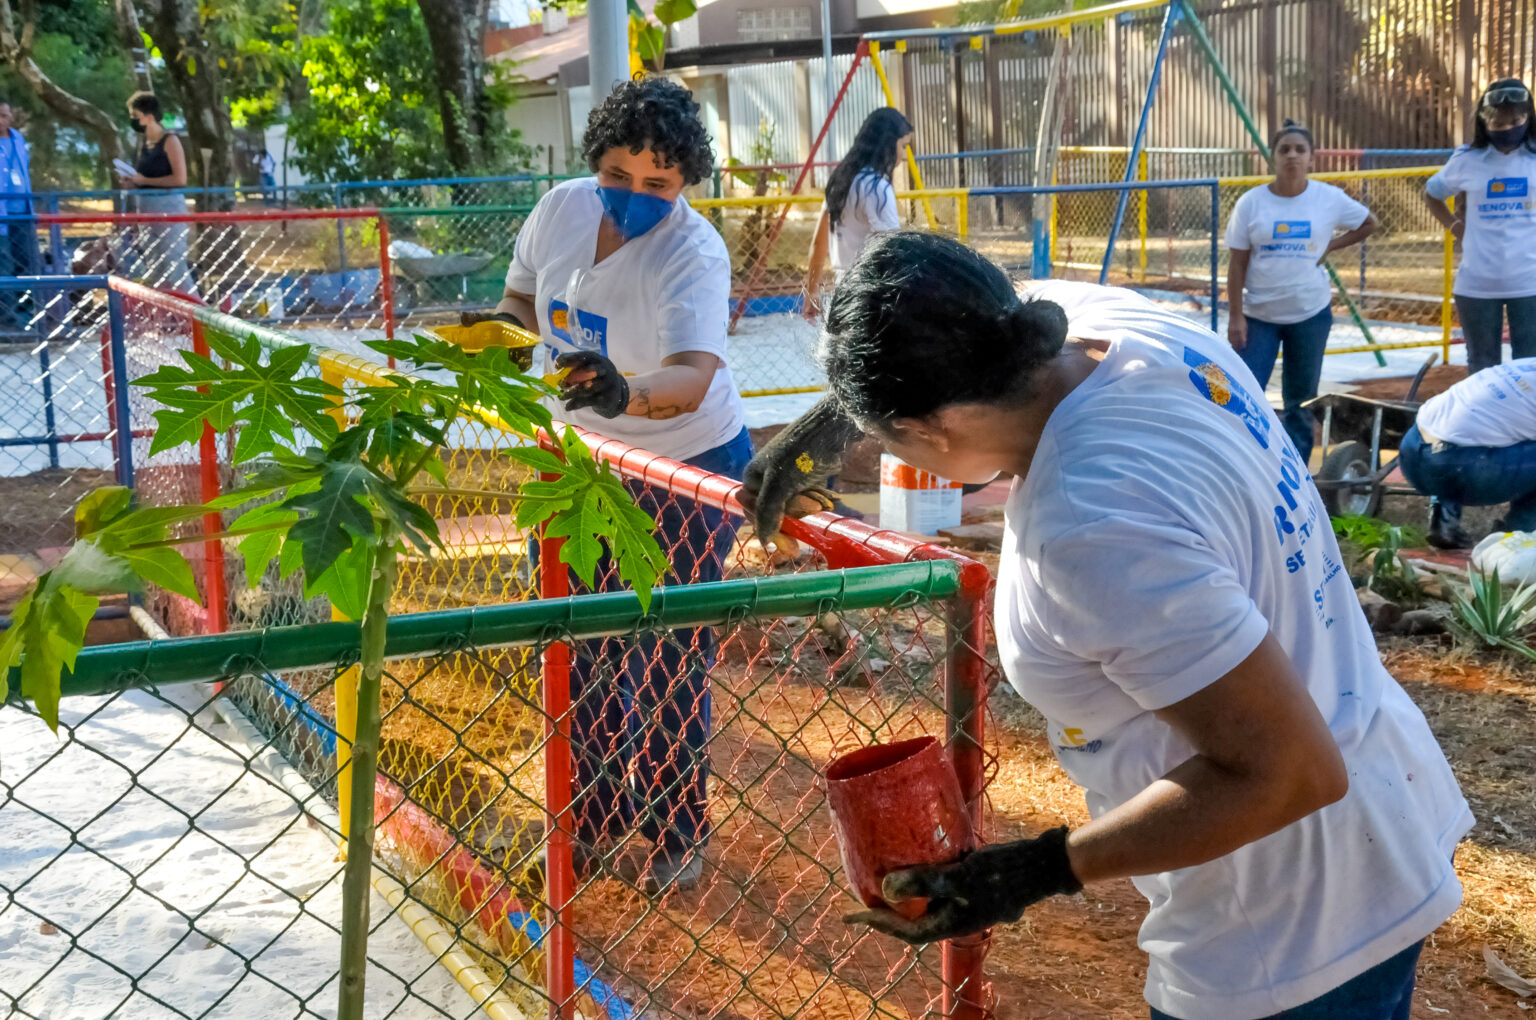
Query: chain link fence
654, 745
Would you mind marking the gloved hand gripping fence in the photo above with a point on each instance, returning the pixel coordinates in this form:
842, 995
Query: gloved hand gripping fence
991, 885
798, 460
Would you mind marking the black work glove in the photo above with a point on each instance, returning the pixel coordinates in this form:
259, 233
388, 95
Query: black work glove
607, 392
990, 885
798, 460
522, 357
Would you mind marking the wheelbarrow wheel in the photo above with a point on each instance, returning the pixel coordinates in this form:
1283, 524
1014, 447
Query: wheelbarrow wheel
1348, 462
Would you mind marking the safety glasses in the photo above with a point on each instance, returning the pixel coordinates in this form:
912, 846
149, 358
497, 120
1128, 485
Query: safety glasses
1509, 95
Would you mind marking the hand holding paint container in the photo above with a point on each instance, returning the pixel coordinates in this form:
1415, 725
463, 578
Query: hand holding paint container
896, 806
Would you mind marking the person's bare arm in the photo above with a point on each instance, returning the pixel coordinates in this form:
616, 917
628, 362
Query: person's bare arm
1237, 277
1351, 237
1264, 758
520, 305
677, 387
1443, 215
820, 245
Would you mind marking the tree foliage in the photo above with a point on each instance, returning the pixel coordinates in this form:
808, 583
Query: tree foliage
374, 109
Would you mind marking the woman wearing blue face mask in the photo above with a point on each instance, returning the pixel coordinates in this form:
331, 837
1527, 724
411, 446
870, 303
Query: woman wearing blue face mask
1492, 180
629, 288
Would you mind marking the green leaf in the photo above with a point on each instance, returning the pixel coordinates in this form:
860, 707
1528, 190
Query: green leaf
670, 12
539, 459
164, 567
346, 581
333, 516
265, 401
100, 506
651, 43
46, 634
89, 568
580, 525
261, 548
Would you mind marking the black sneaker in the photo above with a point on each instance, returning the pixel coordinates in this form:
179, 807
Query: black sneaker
1443, 535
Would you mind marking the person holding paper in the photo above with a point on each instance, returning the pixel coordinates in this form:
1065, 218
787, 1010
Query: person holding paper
158, 176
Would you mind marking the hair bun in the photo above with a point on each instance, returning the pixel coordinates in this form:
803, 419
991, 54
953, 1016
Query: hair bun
1035, 329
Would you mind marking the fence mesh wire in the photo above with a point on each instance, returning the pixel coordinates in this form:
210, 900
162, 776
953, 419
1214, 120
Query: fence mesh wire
689, 745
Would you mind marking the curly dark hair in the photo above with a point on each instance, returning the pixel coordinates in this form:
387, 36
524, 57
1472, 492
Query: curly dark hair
651, 113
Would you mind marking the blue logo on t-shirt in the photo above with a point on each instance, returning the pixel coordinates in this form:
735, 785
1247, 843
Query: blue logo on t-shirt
1219, 388
589, 333
1293, 230
1508, 187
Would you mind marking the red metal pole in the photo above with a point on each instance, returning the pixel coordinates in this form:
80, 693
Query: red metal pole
967, 994
805, 171
213, 523
554, 582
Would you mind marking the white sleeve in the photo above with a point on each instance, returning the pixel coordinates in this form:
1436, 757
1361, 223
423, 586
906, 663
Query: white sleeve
1152, 604
523, 270
1239, 223
880, 205
1448, 181
1347, 212
695, 304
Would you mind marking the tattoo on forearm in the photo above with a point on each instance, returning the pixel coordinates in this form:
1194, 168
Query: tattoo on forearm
641, 406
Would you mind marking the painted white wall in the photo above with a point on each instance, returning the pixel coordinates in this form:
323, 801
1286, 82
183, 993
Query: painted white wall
274, 140
541, 119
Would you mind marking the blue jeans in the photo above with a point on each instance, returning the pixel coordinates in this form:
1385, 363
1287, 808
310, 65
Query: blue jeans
18, 257
640, 704
1482, 324
1303, 343
1474, 475
1385, 992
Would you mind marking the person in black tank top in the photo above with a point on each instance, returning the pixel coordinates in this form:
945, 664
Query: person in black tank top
159, 253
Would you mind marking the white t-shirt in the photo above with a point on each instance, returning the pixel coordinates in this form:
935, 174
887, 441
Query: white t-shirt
1286, 237
870, 207
1165, 526
1494, 407
1498, 250
663, 293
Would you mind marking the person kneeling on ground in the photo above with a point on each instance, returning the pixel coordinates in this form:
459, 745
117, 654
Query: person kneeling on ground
629, 287
1171, 598
1475, 444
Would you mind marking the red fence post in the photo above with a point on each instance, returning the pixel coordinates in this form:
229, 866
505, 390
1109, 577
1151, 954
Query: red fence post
967, 994
559, 880
213, 523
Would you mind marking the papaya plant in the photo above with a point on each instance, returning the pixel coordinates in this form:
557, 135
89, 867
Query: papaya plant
326, 483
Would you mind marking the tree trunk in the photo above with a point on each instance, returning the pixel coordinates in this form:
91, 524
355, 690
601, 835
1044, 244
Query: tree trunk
177, 31
133, 42
456, 29
17, 52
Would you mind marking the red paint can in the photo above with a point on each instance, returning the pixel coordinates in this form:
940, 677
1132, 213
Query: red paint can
896, 806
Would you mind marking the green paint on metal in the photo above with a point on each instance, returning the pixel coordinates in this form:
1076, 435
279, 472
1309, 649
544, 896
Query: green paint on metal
111, 668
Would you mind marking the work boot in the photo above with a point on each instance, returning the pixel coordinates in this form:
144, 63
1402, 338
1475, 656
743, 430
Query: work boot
1445, 531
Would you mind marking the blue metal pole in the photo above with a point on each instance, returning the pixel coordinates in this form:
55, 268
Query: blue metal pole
123, 425
1365, 193
1215, 253
341, 252
1171, 18
50, 424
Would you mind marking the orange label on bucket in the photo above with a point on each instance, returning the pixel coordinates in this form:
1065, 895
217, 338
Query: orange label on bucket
904, 476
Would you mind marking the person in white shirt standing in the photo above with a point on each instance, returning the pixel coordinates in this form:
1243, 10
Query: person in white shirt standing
630, 289
1495, 222
860, 199
1476, 444
1170, 596
1278, 293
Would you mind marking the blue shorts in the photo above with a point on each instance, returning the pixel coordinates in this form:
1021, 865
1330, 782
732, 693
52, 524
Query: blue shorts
1385, 992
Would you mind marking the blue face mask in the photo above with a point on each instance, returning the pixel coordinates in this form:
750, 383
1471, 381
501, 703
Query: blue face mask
632, 212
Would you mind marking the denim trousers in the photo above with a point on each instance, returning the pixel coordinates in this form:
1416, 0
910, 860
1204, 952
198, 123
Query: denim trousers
1482, 324
1474, 475
1385, 992
1303, 344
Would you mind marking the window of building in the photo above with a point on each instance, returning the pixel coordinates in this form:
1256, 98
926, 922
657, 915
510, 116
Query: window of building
773, 24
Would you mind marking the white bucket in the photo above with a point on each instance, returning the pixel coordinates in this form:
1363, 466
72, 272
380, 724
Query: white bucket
916, 501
